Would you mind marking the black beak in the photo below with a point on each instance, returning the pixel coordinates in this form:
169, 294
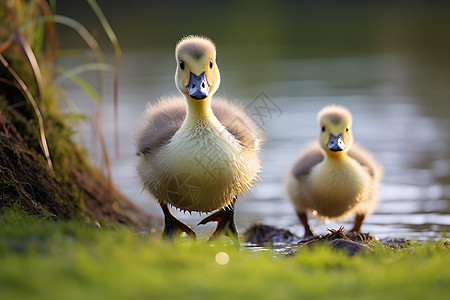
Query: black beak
335, 143
198, 87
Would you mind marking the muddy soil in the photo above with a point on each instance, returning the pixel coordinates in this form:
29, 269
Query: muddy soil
261, 235
27, 182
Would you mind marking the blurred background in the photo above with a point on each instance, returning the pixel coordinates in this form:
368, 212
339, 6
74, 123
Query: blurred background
388, 63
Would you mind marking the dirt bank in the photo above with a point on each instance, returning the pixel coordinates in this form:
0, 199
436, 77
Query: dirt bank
25, 180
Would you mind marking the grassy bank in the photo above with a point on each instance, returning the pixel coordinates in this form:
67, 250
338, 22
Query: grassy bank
42, 168
71, 260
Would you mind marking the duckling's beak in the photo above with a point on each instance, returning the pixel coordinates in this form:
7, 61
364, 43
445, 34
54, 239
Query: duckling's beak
198, 87
335, 143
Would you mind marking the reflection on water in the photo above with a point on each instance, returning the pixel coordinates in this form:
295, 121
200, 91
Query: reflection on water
389, 119
388, 65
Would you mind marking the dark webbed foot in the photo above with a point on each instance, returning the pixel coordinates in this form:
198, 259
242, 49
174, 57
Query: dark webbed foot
225, 224
173, 226
358, 222
308, 231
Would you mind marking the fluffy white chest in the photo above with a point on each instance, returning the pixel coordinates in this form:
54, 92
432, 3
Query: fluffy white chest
200, 168
208, 152
335, 187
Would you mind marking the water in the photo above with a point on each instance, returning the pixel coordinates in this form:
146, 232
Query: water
389, 66
410, 143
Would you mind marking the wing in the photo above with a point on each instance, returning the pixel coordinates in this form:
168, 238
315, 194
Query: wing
314, 155
310, 157
161, 121
234, 118
365, 159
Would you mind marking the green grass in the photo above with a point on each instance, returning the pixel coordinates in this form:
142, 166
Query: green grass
41, 259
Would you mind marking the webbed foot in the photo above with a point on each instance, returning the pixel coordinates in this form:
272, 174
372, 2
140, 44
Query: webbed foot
173, 226
225, 224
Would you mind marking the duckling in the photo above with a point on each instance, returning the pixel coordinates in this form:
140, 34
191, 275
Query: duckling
334, 178
196, 154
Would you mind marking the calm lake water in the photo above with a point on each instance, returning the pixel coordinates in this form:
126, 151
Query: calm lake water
399, 98
409, 137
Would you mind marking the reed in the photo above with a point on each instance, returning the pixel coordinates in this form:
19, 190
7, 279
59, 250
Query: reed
30, 98
33, 31
3, 123
117, 53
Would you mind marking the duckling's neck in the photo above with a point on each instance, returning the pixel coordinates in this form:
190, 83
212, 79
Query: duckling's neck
336, 157
199, 111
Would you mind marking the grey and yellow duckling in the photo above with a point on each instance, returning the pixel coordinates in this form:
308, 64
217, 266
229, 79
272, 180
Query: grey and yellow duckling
334, 178
196, 154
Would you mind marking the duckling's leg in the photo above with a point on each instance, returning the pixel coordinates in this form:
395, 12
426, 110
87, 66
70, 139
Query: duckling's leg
225, 224
304, 219
358, 222
173, 225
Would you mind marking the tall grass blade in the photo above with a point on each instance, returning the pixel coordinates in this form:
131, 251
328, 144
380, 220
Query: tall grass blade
81, 30
81, 69
3, 123
109, 31
51, 36
30, 98
33, 62
106, 158
52, 5
86, 87
5, 45
116, 104
86, 36
76, 116
72, 74
117, 52
36, 39
94, 46
83, 84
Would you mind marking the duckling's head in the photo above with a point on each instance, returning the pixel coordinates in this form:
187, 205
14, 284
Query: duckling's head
335, 135
197, 75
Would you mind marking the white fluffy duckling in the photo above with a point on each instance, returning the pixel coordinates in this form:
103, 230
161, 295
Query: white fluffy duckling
334, 178
197, 154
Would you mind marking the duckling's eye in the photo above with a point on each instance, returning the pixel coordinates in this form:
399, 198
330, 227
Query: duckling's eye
346, 129
181, 65
211, 64
323, 128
